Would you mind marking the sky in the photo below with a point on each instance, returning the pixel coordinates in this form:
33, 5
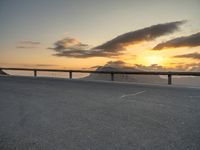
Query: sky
76, 34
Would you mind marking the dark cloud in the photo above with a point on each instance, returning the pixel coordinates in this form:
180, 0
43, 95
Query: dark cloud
178, 67
153, 67
45, 65
40, 65
116, 64
190, 55
77, 53
185, 41
70, 47
26, 47
146, 34
28, 44
69, 44
174, 67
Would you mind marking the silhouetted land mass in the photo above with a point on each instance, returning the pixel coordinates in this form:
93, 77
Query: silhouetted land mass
155, 79
3, 73
123, 77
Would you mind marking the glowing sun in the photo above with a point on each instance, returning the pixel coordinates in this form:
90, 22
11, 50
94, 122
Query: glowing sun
150, 60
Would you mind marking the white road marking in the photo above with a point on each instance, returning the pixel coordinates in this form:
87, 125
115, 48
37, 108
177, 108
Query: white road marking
133, 94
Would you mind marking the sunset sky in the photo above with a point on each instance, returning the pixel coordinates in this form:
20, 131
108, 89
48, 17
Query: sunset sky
76, 34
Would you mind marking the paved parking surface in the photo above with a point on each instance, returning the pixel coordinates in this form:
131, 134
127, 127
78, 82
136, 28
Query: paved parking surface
59, 114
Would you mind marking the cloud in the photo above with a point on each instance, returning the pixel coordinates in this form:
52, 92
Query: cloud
28, 44
45, 65
25, 47
116, 64
69, 43
177, 67
40, 65
146, 34
194, 67
80, 53
70, 47
185, 41
153, 67
190, 55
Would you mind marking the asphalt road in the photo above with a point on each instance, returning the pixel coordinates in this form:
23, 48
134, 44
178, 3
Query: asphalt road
59, 114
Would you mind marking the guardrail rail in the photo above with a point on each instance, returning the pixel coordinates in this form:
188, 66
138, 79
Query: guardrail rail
112, 73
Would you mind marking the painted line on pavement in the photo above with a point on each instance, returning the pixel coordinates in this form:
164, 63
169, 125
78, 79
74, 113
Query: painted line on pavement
133, 94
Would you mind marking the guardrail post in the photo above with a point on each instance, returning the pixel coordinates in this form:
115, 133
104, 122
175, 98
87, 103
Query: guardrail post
70, 74
112, 76
35, 73
169, 79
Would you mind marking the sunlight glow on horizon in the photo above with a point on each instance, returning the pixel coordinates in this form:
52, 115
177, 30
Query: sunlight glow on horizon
150, 60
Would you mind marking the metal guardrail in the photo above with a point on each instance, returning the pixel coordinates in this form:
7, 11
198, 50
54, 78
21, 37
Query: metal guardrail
112, 73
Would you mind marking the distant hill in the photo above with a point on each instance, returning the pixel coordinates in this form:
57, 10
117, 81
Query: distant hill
125, 78
154, 79
3, 73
